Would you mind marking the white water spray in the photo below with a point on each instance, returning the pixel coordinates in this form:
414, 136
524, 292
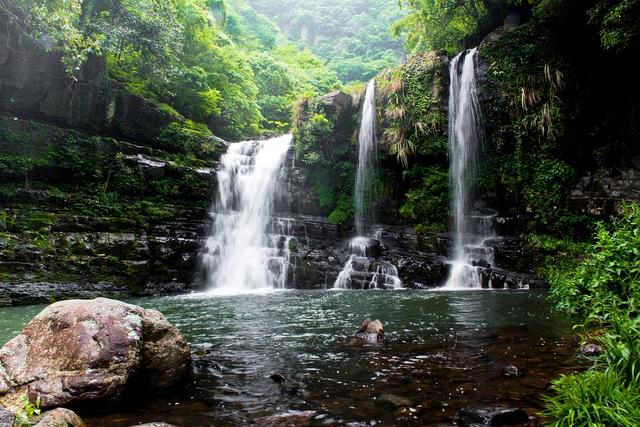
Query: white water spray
367, 163
246, 250
386, 275
465, 138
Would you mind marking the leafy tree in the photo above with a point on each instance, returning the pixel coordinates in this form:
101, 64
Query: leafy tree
447, 24
617, 21
208, 60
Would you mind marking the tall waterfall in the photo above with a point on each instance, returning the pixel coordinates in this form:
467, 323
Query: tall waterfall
471, 229
244, 251
367, 162
356, 269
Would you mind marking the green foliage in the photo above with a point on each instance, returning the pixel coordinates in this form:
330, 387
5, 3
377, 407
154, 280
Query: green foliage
610, 277
546, 188
527, 155
207, 60
351, 36
604, 289
595, 398
27, 412
312, 137
327, 151
447, 25
617, 21
414, 119
344, 211
427, 204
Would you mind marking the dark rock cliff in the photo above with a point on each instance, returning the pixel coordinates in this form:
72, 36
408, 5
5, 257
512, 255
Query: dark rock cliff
101, 192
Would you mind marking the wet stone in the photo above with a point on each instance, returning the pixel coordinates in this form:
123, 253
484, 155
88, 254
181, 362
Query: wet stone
395, 400
590, 350
6, 418
288, 419
155, 425
278, 377
492, 416
511, 371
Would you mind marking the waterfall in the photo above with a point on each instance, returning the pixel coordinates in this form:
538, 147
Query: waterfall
360, 247
367, 162
471, 229
247, 248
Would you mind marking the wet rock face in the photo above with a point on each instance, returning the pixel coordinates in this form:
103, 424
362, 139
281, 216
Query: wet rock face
322, 249
84, 257
82, 351
34, 84
601, 193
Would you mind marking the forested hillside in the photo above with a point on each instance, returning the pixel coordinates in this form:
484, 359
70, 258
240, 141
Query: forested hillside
213, 62
353, 37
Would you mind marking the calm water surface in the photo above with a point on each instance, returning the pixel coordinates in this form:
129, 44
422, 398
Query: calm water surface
442, 351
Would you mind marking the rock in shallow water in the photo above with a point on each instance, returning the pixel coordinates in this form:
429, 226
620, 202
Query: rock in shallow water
590, 350
492, 416
82, 351
511, 371
288, 419
154, 425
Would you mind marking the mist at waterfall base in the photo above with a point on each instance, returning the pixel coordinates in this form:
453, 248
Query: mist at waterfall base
471, 227
247, 250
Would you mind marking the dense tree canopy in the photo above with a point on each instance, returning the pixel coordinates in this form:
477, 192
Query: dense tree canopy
451, 24
214, 62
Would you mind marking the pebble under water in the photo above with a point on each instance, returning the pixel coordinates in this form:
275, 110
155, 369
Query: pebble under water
443, 351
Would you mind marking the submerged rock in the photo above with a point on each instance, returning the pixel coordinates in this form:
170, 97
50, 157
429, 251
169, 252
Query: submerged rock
395, 400
511, 371
288, 419
154, 425
278, 377
492, 416
82, 351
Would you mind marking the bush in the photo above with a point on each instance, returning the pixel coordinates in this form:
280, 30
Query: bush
604, 289
610, 277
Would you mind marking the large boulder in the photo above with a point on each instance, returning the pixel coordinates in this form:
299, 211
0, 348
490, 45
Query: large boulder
80, 351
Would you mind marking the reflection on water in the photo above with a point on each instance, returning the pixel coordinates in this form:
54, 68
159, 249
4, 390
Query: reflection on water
442, 351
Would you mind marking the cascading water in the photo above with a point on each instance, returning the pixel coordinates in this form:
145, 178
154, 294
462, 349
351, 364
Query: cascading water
247, 249
386, 275
471, 230
367, 162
